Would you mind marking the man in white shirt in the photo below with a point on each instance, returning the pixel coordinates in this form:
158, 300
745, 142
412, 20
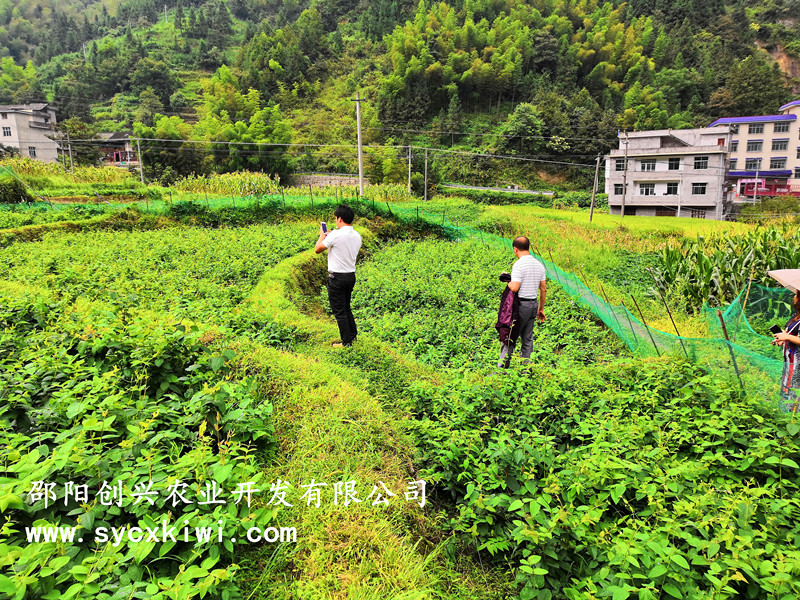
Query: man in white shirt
343, 245
528, 281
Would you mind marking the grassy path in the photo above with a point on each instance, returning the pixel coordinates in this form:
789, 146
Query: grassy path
340, 417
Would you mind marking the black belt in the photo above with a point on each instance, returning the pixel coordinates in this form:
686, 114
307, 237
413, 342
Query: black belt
527, 299
347, 273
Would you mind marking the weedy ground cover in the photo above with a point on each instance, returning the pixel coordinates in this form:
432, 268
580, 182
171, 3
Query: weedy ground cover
592, 473
89, 397
439, 299
196, 274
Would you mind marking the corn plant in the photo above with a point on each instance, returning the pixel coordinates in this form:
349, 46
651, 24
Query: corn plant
714, 270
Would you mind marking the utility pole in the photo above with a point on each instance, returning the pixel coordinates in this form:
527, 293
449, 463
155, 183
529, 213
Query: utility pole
625, 177
84, 51
165, 14
141, 164
409, 170
680, 195
360, 154
69, 145
755, 185
426, 175
594, 189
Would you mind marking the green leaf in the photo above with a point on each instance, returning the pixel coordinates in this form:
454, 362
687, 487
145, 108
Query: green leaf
657, 571
59, 562
515, 505
793, 428
617, 491
680, 561
713, 548
672, 590
788, 462
6, 585
620, 594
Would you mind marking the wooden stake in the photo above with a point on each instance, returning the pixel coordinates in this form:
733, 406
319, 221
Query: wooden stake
669, 312
645, 325
730, 348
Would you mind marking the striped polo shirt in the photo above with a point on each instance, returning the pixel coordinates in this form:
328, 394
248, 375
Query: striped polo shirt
528, 272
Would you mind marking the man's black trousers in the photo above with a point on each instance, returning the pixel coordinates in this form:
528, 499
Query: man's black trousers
340, 288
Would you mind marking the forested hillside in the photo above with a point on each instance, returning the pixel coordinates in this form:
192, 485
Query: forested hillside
551, 78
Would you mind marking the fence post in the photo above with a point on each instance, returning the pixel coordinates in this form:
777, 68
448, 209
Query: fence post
630, 323
669, 312
730, 348
645, 325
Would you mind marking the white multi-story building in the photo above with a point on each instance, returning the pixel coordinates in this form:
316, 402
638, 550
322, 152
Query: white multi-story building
29, 128
669, 173
764, 151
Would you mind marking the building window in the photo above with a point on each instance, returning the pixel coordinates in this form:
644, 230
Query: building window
32, 151
648, 164
777, 163
699, 189
620, 165
755, 146
698, 214
6, 131
734, 129
781, 127
666, 212
630, 211
3, 115
735, 146
674, 164
756, 128
751, 164
647, 189
618, 189
797, 172
780, 144
672, 188
700, 162
798, 153
732, 164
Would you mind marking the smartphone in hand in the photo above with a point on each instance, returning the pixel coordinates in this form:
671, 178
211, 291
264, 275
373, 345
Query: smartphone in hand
776, 329
324, 226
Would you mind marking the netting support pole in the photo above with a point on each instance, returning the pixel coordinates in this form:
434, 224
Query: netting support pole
550, 254
730, 349
669, 312
283, 197
746, 296
592, 295
630, 323
636, 304
608, 304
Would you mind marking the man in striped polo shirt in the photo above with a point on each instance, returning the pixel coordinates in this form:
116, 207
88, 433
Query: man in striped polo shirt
528, 281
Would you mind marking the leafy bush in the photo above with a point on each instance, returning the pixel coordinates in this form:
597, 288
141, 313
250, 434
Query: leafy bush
639, 479
494, 197
94, 401
13, 192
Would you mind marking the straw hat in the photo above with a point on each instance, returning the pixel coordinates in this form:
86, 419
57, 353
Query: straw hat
788, 278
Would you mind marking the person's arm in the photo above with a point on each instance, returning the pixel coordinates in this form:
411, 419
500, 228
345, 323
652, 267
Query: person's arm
785, 336
321, 246
542, 294
516, 279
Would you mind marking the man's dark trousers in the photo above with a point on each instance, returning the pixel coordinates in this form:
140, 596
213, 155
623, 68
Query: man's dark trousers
340, 288
528, 310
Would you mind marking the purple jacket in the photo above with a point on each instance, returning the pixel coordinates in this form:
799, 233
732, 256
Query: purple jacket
508, 315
